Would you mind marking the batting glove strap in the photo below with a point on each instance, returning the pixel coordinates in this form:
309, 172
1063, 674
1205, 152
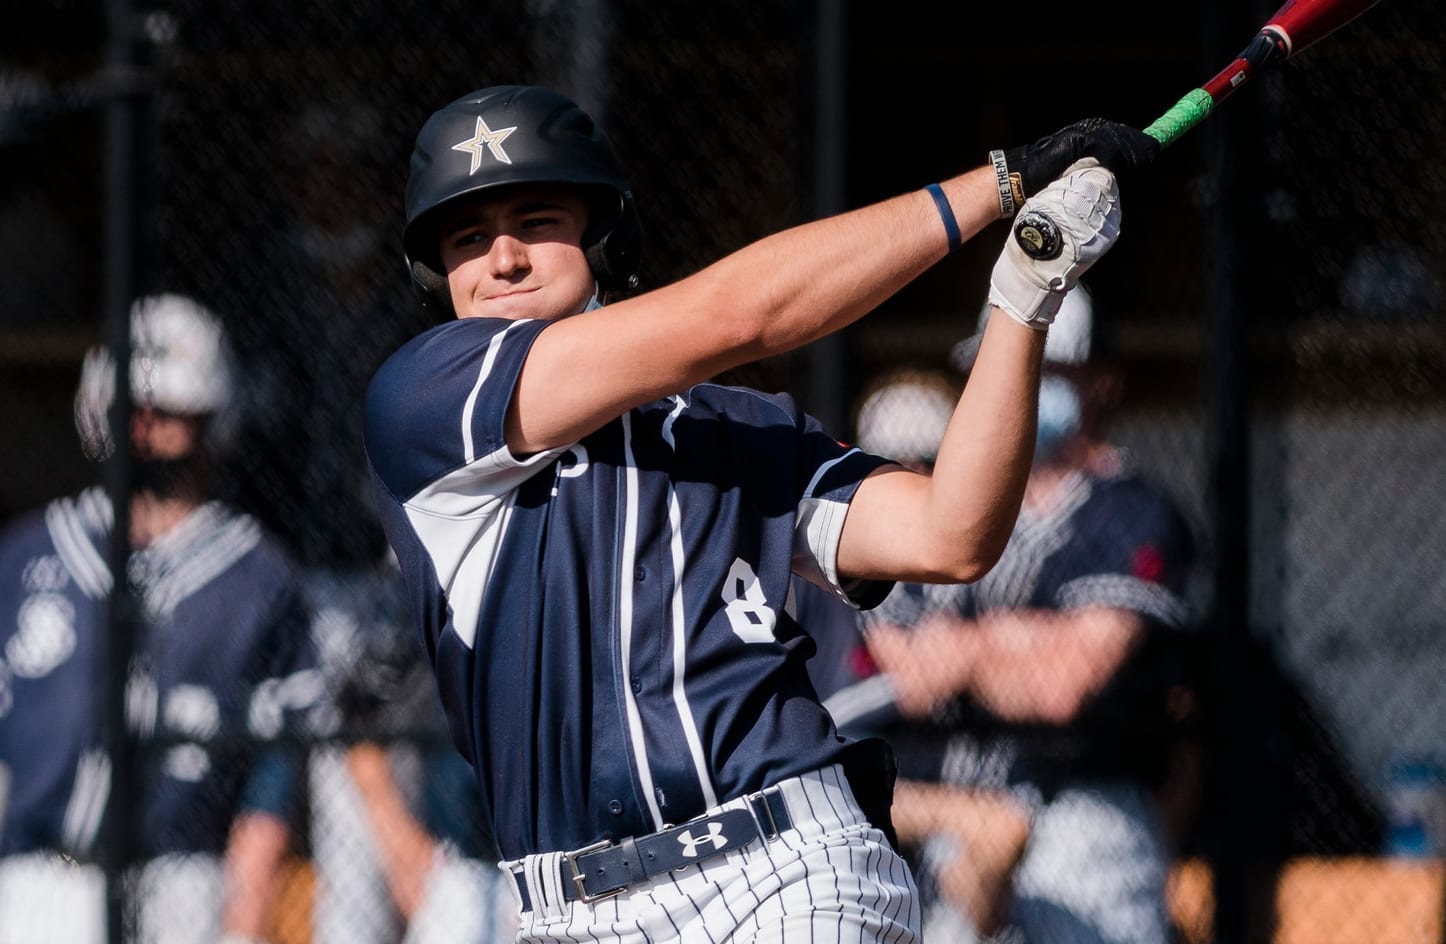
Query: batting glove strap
1084, 206
1029, 168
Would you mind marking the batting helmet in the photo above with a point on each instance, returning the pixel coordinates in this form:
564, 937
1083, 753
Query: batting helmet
905, 415
516, 134
1071, 341
180, 363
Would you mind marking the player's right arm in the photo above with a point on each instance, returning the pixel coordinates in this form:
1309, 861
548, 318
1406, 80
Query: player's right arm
772, 296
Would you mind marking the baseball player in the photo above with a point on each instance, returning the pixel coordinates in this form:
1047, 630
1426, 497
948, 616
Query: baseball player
219, 657
598, 542
1040, 691
400, 853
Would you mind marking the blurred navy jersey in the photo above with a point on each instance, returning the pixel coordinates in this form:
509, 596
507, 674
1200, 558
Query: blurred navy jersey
221, 654
1109, 541
607, 620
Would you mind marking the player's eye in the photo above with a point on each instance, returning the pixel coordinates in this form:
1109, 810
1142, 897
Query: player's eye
468, 237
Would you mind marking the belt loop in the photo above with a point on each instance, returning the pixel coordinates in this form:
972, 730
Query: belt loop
543, 873
761, 799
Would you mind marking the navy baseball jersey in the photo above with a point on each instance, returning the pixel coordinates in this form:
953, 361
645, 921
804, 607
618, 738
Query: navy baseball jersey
607, 620
1110, 541
220, 652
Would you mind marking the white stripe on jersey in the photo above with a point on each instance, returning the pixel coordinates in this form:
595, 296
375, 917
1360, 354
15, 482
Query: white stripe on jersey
190, 556
87, 801
1127, 593
680, 641
855, 701
816, 534
456, 522
488, 360
625, 619
76, 549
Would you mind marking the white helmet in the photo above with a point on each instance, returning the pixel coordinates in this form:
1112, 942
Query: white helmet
180, 363
1069, 341
905, 417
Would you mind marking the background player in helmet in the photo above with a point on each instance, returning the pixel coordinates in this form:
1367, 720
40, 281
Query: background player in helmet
219, 657
598, 542
1042, 691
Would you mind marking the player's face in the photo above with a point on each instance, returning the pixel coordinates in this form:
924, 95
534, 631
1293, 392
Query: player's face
156, 434
518, 254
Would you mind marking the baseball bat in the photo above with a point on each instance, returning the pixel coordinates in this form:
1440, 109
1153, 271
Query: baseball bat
1292, 29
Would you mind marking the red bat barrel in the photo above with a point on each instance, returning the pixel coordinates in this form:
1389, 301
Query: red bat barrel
1301, 23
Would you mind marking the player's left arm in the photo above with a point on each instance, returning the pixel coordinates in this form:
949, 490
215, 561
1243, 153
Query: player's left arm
255, 852
952, 525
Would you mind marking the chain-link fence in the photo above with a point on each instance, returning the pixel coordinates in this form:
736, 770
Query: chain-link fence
1270, 318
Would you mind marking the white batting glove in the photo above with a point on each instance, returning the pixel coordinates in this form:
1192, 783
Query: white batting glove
1084, 207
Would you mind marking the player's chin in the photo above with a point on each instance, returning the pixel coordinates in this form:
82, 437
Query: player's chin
514, 305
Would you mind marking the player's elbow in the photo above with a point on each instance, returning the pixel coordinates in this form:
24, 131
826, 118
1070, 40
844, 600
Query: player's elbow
1059, 707
960, 558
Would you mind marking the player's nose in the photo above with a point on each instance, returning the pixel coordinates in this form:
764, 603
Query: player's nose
508, 254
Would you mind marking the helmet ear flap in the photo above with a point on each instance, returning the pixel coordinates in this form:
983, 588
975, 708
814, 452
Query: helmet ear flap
616, 254
431, 288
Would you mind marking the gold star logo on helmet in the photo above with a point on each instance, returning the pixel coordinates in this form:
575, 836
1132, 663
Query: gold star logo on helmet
485, 137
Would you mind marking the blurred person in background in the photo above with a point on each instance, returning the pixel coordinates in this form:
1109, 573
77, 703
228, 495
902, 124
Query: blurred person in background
396, 834
220, 660
1035, 710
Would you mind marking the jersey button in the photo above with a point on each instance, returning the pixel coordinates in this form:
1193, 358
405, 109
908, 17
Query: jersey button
615, 807
637, 685
640, 573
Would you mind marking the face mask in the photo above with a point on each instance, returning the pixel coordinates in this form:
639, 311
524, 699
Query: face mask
164, 477
1060, 413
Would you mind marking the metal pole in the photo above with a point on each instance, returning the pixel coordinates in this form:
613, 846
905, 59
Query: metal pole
827, 358
1246, 795
122, 231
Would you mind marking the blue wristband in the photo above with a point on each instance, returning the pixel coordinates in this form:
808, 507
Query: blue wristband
946, 213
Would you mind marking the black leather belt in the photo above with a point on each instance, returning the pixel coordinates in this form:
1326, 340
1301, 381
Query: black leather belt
606, 869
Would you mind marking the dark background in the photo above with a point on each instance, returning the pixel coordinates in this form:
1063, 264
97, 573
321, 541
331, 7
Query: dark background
1273, 301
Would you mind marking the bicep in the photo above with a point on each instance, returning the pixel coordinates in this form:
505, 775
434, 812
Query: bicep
884, 534
588, 369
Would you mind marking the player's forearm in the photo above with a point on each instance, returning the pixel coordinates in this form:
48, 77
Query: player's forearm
927, 664
984, 459
407, 848
801, 284
952, 526
1045, 666
254, 854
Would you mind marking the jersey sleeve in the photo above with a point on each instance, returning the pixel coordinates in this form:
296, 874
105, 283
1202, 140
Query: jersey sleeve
272, 785
436, 412
1133, 550
833, 473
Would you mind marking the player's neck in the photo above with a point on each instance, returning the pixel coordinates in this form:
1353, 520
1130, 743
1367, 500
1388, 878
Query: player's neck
152, 515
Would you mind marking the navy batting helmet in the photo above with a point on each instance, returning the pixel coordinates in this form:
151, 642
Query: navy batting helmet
516, 134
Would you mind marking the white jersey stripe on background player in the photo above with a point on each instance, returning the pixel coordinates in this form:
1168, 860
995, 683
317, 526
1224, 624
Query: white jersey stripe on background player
625, 622
857, 701
680, 640
222, 543
1130, 593
87, 800
76, 552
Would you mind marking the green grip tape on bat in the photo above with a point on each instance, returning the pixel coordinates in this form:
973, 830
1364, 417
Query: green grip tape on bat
1182, 116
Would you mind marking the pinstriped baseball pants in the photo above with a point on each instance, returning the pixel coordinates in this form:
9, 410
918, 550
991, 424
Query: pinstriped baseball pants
831, 879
